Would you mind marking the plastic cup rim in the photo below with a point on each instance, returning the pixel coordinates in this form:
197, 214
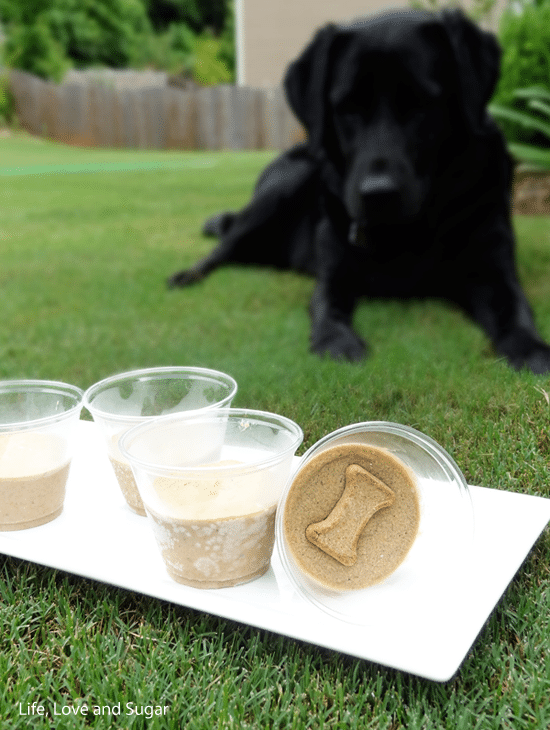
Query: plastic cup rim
420, 439
23, 385
94, 389
208, 414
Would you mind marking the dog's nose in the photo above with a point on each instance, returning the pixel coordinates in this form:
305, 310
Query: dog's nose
378, 197
377, 186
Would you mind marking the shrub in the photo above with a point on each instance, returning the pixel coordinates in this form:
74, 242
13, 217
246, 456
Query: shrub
226, 52
210, 68
33, 48
46, 37
537, 119
197, 14
524, 35
7, 102
173, 50
106, 32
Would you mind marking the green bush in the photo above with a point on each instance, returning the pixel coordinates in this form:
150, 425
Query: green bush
524, 35
33, 48
210, 67
188, 37
205, 59
536, 119
46, 37
7, 102
226, 52
173, 50
197, 14
109, 32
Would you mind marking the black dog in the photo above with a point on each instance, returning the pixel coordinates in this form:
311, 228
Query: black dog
402, 189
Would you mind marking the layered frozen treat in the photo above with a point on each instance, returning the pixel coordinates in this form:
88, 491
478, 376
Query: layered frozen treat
351, 516
37, 427
122, 401
210, 484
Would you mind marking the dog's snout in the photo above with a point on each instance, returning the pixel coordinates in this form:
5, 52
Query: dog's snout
377, 185
376, 196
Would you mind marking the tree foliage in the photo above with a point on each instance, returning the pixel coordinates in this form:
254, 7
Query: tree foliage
46, 37
197, 14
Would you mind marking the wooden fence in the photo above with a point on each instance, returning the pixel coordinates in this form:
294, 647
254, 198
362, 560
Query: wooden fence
157, 117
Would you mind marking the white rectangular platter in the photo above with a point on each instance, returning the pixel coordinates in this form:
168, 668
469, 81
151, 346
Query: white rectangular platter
97, 536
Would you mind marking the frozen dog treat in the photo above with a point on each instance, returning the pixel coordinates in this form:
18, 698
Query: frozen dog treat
33, 474
217, 531
363, 496
122, 401
351, 516
211, 483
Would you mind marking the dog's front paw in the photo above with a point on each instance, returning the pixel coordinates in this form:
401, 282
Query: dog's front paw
339, 342
537, 361
217, 225
186, 277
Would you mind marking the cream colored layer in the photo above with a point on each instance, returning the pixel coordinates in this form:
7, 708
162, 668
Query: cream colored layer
28, 454
212, 497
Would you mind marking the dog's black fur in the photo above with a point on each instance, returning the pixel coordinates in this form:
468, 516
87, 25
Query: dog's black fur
402, 188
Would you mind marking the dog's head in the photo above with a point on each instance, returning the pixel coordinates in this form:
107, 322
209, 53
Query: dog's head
381, 98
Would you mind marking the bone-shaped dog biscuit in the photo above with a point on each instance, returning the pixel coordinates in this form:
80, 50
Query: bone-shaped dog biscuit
337, 535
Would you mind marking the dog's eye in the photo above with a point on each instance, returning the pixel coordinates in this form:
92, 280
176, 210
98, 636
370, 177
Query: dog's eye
417, 95
350, 117
412, 100
353, 111
346, 107
349, 114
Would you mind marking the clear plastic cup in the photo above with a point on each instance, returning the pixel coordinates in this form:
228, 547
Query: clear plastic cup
37, 425
437, 544
122, 401
210, 484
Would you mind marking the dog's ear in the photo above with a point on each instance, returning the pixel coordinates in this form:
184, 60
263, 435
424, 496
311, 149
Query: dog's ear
477, 56
306, 85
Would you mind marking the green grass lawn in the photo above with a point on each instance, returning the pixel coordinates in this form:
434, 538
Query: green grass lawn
87, 240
